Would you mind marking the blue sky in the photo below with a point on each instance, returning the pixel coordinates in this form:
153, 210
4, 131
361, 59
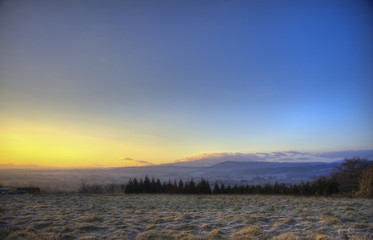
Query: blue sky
170, 79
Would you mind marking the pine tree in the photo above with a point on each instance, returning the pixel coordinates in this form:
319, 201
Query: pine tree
181, 187
216, 189
192, 187
146, 185
135, 186
153, 186
203, 187
228, 189
222, 188
129, 188
158, 186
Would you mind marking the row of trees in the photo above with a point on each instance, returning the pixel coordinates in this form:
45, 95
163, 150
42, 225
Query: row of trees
152, 186
322, 186
352, 176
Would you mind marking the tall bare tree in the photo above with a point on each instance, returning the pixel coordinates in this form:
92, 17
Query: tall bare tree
350, 172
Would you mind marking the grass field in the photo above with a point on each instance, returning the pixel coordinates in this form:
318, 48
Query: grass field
74, 216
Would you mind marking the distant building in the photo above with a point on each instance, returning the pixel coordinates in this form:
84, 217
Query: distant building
4, 191
28, 190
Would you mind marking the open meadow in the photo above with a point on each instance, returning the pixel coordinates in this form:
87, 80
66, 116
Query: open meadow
74, 216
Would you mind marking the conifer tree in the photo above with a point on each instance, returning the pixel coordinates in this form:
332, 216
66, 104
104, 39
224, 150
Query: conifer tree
181, 187
222, 188
153, 186
216, 189
158, 186
146, 185
129, 187
228, 189
192, 187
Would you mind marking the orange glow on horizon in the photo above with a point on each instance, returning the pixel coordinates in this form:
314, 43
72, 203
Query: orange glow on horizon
23, 144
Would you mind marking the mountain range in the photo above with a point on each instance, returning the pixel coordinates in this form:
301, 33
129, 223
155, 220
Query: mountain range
230, 168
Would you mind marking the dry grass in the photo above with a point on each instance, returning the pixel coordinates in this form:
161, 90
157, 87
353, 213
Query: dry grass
185, 217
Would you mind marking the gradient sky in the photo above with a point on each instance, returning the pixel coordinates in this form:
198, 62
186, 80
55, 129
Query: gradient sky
98, 83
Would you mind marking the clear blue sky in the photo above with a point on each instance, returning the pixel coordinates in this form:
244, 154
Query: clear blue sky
169, 79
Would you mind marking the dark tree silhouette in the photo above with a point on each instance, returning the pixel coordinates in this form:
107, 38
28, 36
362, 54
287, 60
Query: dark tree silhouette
181, 187
216, 189
222, 188
366, 183
349, 173
203, 187
353, 175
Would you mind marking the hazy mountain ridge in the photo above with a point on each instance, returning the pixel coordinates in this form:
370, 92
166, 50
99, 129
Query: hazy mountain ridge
210, 159
229, 172
230, 168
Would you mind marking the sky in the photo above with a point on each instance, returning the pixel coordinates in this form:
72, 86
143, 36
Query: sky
110, 83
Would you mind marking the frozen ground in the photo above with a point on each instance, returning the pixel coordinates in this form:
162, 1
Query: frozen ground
73, 216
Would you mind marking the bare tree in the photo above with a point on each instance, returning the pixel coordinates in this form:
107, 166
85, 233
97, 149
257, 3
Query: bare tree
366, 183
350, 172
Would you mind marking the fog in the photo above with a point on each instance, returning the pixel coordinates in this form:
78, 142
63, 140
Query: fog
69, 180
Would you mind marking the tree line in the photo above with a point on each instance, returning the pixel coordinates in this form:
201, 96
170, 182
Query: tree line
322, 186
352, 176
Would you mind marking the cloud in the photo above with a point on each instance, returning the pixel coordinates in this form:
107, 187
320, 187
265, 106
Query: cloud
130, 162
223, 155
294, 152
265, 155
145, 162
303, 158
209, 159
286, 159
346, 154
279, 154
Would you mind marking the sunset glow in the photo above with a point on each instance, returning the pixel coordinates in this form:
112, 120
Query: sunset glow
127, 84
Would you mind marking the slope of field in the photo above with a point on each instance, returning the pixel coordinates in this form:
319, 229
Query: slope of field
73, 216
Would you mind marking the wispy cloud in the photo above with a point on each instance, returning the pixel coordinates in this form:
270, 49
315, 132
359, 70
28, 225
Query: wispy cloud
131, 162
303, 159
208, 159
279, 154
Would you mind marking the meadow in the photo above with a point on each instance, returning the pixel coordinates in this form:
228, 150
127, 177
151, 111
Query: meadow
140, 216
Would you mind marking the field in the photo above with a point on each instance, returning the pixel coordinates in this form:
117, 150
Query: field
73, 216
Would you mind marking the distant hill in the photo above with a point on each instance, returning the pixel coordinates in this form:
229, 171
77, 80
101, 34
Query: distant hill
230, 168
228, 172
210, 159
24, 166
